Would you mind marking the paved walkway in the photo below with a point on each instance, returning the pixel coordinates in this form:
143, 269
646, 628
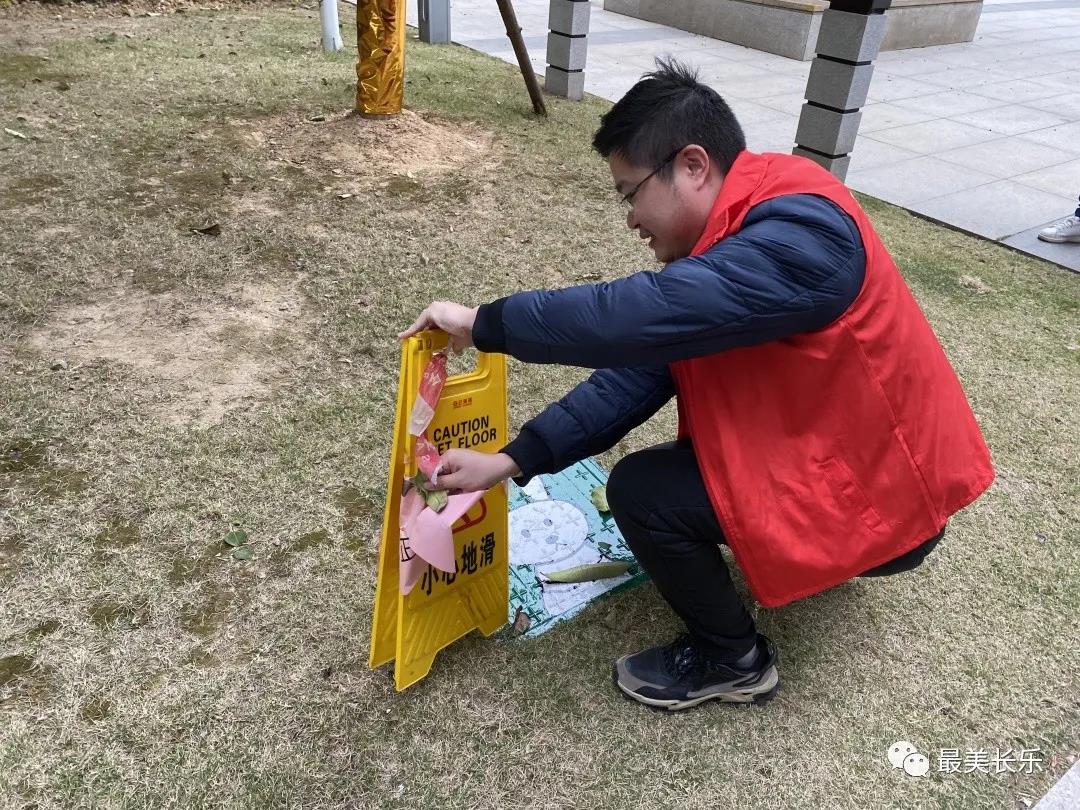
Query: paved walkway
983, 136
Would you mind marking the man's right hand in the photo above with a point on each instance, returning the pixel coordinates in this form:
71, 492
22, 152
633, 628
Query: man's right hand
454, 319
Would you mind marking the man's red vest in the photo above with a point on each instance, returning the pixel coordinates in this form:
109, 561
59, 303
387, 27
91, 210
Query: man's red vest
828, 453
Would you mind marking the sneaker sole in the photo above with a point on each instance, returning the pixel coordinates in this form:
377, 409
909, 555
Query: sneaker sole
1057, 240
769, 686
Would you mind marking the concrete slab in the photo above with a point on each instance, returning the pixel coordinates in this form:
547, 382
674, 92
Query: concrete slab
1005, 157
996, 210
921, 179
1066, 105
932, 137
750, 114
1065, 81
947, 103
1016, 90
1067, 255
1063, 178
1065, 795
889, 87
788, 103
1010, 119
885, 115
1065, 137
870, 154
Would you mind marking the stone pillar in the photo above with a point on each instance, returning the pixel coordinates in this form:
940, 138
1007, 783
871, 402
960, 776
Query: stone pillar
434, 21
849, 40
568, 21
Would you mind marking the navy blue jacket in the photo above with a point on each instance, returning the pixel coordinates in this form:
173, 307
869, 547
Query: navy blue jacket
795, 266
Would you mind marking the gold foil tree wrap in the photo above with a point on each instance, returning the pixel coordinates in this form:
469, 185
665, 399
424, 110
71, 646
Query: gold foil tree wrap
380, 72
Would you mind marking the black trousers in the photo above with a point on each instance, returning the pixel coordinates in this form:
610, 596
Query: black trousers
659, 502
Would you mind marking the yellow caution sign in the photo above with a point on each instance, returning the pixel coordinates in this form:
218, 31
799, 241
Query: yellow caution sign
410, 628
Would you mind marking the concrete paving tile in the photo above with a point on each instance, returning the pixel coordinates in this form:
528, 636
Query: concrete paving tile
1029, 68
1050, 63
959, 54
932, 137
870, 154
775, 135
995, 210
887, 87
782, 140
749, 113
947, 103
1039, 49
1005, 157
764, 86
913, 65
610, 87
1017, 90
1065, 795
788, 103
740, 53
964, 78
1064, 178
1065, 82
711, 57
723, 73
918, 179
1010, 119
1065, 137
883, 115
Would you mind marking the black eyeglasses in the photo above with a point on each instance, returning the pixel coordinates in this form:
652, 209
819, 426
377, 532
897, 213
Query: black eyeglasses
628, 198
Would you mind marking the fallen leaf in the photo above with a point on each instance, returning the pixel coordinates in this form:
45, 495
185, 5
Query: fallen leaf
588, 573
522, 622
237, 537
598, 496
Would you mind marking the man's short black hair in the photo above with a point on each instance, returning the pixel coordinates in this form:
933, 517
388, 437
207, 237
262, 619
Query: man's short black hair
665, 111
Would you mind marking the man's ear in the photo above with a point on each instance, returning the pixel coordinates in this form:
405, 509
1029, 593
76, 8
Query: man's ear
695, 161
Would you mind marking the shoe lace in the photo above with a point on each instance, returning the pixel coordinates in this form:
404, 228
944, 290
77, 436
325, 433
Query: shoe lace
682, 657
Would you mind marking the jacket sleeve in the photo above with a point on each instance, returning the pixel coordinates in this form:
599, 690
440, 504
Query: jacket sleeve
795, 266
590, 419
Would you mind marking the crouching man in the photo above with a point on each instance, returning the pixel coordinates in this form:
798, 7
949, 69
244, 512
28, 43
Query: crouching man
823, 434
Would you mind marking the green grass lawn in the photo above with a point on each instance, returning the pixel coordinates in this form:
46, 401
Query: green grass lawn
159, 387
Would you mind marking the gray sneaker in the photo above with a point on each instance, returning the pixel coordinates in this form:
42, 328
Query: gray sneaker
677, 676
1065, 230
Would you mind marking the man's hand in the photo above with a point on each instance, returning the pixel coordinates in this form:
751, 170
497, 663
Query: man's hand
470, 471
454, 319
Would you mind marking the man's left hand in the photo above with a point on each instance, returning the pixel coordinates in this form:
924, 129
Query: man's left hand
454, 319
471, 471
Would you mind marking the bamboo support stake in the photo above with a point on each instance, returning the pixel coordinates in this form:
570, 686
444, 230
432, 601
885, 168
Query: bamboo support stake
513, 31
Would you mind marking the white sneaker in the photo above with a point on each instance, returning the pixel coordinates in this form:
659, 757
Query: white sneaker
1065, 230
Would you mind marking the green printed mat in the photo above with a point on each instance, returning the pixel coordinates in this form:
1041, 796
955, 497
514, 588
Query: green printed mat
555, 526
